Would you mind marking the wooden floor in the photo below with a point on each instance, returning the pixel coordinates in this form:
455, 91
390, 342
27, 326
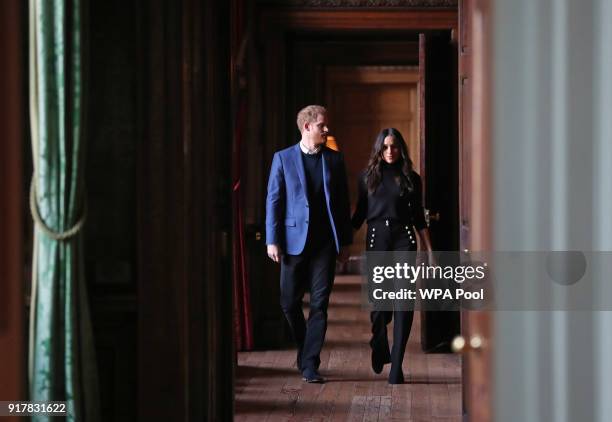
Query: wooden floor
268, 386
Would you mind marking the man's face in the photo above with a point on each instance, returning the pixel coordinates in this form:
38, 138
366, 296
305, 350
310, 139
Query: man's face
316, 131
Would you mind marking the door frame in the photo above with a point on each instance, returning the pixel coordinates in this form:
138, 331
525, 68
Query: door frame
475, 200
274, 27
474, 116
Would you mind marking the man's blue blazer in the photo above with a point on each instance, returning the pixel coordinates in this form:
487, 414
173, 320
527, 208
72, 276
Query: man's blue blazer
287, 201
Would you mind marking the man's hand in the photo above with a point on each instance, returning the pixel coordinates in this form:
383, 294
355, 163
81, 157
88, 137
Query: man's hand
343, 255
274, 252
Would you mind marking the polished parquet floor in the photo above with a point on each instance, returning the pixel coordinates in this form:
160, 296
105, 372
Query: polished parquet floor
269, 388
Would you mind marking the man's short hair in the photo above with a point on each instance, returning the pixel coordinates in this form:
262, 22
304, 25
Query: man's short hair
309, 114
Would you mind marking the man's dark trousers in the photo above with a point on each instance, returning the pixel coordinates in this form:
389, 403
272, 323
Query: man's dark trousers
313, 269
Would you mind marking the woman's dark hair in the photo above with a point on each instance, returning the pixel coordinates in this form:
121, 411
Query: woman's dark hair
373, 174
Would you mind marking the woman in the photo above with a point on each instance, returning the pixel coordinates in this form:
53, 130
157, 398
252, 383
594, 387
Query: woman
390, 200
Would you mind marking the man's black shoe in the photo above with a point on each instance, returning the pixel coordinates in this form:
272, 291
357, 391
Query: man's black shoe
379, 358
312, 376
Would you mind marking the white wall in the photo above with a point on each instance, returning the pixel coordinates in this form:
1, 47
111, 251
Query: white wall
552, 147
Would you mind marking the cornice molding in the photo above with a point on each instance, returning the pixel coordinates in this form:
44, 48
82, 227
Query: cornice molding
361, 3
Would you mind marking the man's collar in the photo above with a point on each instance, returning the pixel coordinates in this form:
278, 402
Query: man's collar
305, 150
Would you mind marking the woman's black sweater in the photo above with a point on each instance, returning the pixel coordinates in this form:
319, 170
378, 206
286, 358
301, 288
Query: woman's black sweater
387, 201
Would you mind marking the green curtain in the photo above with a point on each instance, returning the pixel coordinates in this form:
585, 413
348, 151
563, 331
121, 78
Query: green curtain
62, 360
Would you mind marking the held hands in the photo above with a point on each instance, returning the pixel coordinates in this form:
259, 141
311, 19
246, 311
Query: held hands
275, 253
343, 255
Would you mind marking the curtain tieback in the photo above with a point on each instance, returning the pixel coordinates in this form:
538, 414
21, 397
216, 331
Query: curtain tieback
65, 235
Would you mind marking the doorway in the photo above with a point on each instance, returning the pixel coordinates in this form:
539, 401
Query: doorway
367, 83
365, 69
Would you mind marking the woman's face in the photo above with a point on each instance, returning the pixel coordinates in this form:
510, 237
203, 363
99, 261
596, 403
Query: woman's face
390, 150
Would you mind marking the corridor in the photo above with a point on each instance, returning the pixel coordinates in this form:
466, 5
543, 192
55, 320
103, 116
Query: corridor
268, 386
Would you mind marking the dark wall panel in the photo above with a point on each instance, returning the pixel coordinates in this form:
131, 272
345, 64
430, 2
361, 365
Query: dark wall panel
111, 175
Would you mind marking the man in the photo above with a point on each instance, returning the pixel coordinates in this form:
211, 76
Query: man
307, 227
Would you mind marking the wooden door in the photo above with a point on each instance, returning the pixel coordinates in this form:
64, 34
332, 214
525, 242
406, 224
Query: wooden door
439, 167
476, 340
